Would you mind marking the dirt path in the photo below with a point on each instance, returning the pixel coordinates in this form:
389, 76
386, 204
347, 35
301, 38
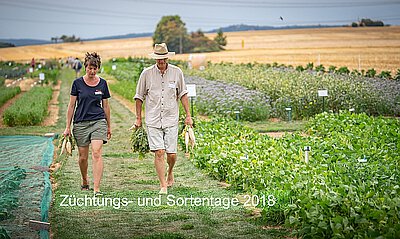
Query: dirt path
25, 84
281, 134
53, 107
277, 134
125, 176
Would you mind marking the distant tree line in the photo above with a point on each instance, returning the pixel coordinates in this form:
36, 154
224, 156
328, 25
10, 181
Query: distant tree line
6, 44
172, 31
366, 22
65, 38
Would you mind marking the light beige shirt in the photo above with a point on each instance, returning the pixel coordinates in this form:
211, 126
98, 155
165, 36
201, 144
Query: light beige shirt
161, 94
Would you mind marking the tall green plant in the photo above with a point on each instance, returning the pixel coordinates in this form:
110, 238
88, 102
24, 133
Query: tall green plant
220, 39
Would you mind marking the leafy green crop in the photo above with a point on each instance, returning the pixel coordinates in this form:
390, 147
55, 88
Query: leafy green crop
127, 75
139, 142
349, 189
9, 183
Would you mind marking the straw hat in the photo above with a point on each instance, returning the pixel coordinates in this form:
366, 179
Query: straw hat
161, 52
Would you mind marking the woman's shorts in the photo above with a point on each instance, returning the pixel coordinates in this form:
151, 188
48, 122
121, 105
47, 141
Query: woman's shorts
166, 138
86, 131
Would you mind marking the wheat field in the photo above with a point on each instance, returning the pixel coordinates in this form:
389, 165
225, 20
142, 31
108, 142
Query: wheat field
356, 48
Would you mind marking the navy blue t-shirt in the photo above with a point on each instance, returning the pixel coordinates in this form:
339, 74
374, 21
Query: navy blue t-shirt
89, 100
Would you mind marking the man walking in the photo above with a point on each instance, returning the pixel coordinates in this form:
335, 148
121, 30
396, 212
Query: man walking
161, 86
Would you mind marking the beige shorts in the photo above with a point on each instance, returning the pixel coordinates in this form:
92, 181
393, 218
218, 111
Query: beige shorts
163, 139
86, 131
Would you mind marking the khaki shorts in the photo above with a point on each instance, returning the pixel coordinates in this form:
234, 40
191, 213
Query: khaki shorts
86, 131
163, 139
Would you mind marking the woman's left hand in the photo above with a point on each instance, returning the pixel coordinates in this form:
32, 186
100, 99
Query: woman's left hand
109, 133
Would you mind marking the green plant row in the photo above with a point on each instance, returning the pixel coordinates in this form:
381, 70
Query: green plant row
345, 71
7, 93
9, 183
299, 90
349, 189
125, 71
30, 109
50, 76
127, 76
125, 89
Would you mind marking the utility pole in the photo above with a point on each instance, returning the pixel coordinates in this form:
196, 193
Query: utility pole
180, 44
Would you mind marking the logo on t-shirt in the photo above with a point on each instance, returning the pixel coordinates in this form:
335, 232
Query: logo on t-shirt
98, 92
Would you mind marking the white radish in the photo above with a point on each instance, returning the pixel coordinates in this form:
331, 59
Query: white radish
69, 148
192, 138
63, 146
187, 141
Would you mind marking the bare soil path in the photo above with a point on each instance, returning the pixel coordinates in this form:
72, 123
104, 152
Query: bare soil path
53, 107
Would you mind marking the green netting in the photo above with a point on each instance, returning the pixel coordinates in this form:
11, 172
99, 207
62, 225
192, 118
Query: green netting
25, 190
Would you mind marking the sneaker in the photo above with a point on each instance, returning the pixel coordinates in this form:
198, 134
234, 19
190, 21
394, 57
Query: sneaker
85, 187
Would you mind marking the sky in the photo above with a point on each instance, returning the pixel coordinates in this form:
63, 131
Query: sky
45, 19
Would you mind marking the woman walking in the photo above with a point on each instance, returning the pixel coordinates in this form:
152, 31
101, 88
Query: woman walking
91, 120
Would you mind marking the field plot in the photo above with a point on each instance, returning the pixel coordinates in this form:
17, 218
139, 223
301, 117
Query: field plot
25, 186
299, 90
348, 188
356, 48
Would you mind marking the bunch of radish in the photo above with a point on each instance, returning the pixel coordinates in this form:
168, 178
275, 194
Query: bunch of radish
190, 139
67, 144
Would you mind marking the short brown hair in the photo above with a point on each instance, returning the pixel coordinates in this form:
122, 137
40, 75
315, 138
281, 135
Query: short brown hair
92, 59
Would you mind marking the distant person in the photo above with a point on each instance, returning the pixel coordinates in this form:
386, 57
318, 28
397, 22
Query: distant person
91, 120
161, 86
77, 66
33, 63
70, 61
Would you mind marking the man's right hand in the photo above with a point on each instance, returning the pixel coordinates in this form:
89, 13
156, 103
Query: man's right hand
136, 125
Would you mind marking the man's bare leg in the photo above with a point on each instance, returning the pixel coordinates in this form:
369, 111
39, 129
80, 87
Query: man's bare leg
171, 159
160, 168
